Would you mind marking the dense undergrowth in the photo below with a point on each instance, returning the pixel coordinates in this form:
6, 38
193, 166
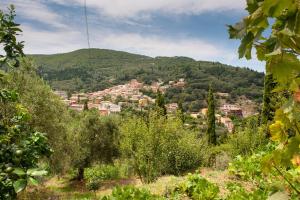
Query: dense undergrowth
90, 149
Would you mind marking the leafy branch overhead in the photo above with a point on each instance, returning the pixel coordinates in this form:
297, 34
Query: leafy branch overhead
273, 29
9, 30
20, 146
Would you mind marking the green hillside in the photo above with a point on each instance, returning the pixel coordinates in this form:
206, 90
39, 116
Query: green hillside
97, 69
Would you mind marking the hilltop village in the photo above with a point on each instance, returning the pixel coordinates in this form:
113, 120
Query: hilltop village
132, 94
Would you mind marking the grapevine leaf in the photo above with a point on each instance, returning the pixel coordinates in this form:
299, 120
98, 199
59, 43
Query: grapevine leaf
33, 181
251, 6
19, 172
277, 131
276, 52
36, 172
237, 31
260, 52
246, 46
294, 86
20, 185
275, 8
284, 67
296, 160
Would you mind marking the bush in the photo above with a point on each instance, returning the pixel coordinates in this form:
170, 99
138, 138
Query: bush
159, 145
132, 193
250, 167
246, 168
101, 172
93, 185
189, 153
248, 140
222, 161
253, 168
196, 187
237, 192
125, 168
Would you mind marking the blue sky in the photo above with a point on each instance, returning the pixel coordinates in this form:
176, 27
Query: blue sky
192, 28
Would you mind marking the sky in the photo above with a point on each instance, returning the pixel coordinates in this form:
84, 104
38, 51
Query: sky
191, 28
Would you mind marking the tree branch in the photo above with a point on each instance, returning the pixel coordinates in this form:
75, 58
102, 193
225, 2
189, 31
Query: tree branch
286, 179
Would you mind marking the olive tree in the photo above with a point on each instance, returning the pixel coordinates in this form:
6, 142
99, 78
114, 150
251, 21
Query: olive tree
94, 139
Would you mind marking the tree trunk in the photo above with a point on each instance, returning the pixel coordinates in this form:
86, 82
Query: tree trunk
80, 174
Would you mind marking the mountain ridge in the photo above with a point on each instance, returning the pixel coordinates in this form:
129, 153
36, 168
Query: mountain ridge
97, 69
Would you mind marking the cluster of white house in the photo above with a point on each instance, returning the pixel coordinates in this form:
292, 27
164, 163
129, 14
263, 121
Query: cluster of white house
130, 92
102, 100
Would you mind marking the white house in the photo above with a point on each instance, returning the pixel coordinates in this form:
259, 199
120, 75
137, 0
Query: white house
110, 107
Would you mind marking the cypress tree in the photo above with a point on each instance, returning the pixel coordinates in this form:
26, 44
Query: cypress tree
211, 121
269, 100
85, 105
160, 102
180, 111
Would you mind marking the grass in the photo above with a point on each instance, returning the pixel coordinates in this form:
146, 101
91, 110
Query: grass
58, 188
62, 189
163, 184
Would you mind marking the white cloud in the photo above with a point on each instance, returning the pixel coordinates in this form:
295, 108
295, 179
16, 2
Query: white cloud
65, 38
35, 10
134, 8
160, 46
50, 42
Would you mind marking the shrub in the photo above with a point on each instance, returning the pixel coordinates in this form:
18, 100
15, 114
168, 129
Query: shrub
101, 172
160, 145
216, 156
237, 192
93, 185
247, 139
196, 187
246, 168
250, 167
130, 192
125, 168
222, 161
187, 154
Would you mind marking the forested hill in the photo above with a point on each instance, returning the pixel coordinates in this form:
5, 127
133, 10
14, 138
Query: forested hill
96, 69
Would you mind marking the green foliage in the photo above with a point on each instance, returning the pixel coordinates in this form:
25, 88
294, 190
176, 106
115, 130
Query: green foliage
189, 153
97, 69
237, 192
198, 188
95, 139
47, 112
20, 146
130, 192
248, 138
269, 100
101, 172
8, 32
160, 103
247, 168
93, 184
252, 168
280, 49
180, 112
211, 119
159, 145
